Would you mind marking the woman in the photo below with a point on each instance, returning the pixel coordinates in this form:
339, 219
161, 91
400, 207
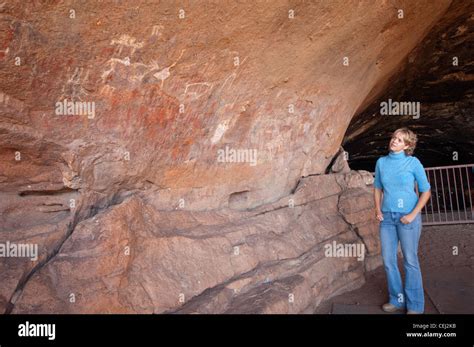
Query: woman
398, 209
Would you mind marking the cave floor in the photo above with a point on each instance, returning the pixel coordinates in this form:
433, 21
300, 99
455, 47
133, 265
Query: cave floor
448, 274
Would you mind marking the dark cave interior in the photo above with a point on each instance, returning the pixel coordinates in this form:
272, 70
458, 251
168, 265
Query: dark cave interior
439, 75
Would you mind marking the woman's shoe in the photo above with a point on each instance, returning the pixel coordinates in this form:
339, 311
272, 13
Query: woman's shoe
388, 307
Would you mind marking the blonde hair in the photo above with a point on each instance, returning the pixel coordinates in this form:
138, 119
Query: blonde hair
409, 138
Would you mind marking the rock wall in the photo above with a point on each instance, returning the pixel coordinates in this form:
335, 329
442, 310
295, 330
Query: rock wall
131, 201
134, 258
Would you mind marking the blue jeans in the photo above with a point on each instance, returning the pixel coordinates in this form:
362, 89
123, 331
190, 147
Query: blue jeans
392, 230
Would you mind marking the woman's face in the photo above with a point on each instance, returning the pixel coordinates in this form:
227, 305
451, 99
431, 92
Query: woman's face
397, 143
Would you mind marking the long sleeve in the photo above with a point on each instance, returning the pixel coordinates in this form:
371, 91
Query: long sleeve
420, 177
377, 181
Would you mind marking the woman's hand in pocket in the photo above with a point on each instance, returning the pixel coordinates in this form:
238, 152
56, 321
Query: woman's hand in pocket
408, 218
379, 215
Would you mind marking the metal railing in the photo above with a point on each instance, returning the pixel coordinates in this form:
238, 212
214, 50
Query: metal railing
451, 195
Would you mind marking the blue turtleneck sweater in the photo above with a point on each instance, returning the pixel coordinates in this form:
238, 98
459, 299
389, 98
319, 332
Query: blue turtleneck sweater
396, 174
